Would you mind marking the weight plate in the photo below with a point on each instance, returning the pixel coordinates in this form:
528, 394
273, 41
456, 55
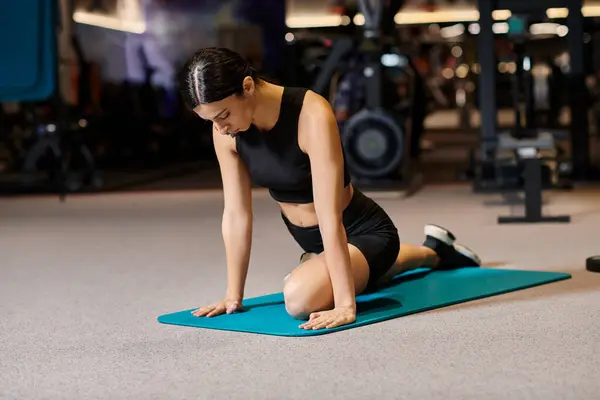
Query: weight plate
373, 144
592, 264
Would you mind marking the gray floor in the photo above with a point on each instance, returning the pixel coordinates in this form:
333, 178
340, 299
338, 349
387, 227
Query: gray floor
83, 282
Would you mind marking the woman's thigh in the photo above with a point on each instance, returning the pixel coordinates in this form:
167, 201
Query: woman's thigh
308, 287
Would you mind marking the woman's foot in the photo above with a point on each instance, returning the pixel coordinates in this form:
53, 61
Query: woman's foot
450, 254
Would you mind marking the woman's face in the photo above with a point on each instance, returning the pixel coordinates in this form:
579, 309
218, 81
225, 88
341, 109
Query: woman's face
232, 114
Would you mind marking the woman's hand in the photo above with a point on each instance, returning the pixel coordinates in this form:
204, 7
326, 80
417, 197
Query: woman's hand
330, 319
227, 305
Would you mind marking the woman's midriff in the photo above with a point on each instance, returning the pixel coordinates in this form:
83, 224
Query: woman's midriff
305, 215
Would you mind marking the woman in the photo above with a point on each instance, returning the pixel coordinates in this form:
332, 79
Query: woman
286, 139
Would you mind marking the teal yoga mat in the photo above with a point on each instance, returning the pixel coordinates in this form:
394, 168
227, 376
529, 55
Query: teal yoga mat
409, 293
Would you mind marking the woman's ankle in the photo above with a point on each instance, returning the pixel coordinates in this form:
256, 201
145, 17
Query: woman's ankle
430, 257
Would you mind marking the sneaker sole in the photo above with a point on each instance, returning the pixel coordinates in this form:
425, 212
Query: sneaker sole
306, 256
441, 234
465, 251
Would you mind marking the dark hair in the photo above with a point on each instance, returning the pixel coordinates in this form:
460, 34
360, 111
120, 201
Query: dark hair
212, 74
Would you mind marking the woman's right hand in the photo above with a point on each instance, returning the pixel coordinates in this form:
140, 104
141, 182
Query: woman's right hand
226, 305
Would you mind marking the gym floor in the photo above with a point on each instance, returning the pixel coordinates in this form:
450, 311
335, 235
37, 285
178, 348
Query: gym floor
84, 281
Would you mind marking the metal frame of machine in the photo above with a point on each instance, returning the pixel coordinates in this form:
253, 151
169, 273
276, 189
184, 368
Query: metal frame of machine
526, 147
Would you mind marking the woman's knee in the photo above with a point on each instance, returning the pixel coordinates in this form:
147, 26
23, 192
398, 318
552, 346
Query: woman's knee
295, 302
297, 298
308, 289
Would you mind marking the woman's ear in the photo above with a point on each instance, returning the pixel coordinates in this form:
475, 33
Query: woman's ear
249, 86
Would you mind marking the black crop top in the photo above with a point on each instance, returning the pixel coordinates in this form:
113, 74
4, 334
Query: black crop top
275, 160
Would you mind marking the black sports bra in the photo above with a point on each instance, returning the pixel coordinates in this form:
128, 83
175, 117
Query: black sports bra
275, 160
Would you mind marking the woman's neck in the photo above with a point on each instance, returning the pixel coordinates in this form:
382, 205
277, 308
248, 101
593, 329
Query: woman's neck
268, 105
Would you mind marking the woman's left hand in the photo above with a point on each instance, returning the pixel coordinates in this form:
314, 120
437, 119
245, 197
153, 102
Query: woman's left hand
330, 319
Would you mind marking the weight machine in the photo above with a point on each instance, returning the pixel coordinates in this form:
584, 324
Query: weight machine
30, 76
374, 139
520, 158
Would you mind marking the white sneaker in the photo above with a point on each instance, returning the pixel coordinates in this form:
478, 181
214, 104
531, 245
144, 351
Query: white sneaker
451, 254
440, 233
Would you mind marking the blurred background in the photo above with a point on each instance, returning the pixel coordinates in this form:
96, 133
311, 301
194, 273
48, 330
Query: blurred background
453, 112
115, 121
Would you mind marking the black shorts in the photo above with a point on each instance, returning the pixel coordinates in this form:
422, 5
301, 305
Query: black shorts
368, 227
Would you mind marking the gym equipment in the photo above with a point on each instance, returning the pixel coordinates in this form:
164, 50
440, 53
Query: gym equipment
529, 164
340, 50
373, 143
29, 75
532, 174
523, 158
374, 138
29, 65
409, 293
487, 88
592, 264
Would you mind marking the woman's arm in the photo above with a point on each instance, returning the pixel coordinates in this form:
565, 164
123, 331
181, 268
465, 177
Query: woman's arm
237, 214
320, 139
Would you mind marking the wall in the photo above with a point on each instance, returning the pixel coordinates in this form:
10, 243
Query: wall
174, 30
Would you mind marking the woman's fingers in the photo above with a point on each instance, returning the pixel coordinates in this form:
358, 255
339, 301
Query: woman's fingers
317, 322
219, 309
328, 319
208, 311
202, 311
323, 322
